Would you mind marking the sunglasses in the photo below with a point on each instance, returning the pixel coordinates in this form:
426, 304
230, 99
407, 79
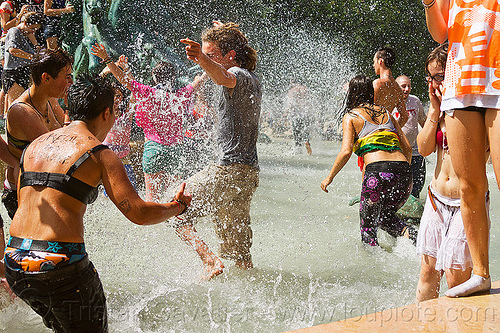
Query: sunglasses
438, 78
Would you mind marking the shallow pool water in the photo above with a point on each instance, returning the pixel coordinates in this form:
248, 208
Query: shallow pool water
311, 267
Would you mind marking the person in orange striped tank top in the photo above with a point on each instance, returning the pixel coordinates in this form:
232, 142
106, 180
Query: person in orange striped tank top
471, 100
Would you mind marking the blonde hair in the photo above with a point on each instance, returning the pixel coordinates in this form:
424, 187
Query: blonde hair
228, 37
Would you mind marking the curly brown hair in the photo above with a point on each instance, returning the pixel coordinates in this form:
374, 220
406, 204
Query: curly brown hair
228, 37
439, 54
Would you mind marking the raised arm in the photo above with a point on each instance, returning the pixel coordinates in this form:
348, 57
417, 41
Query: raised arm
348, 137
7, 23
49, 11
125, 197
199, 80
437, 19
100, 51
217, 72
426, 139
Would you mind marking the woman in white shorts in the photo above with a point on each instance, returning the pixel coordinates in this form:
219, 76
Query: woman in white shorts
441, 239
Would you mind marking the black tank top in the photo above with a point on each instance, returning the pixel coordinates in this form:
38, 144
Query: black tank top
65, 183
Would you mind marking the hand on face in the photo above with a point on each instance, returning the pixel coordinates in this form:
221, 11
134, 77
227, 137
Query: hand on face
435, 94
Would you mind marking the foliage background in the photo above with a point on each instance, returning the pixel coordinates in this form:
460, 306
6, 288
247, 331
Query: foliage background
359, 26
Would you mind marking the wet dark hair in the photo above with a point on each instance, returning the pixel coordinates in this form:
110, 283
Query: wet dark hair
387, 54
439, 54
50, 62
228, 37
164, 72
360, 92
89, 96
32, 18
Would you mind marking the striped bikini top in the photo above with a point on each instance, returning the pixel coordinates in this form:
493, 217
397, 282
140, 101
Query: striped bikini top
374, 137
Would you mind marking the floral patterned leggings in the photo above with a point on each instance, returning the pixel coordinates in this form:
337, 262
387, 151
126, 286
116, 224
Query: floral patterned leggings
386, 187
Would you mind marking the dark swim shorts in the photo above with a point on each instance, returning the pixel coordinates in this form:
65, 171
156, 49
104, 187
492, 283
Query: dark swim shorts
69, 299
20, 75
52, 27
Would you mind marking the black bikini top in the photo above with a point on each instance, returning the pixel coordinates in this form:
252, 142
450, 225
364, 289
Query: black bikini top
65, 183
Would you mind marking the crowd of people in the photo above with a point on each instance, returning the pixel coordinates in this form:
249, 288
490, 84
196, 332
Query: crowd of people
56, 127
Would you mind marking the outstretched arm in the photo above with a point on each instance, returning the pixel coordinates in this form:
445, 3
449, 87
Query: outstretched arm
124, 196
217, 72
100, 51
349, 134
49, 11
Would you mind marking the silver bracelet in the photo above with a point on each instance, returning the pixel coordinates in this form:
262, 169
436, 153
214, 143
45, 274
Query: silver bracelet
427, 6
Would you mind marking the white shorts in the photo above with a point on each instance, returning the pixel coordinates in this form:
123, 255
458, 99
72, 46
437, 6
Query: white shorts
441, 234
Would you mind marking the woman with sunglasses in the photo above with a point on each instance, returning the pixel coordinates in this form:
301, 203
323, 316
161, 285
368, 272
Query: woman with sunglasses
441, 238
471, 99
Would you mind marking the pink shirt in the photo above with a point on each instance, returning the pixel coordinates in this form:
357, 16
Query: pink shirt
159, 112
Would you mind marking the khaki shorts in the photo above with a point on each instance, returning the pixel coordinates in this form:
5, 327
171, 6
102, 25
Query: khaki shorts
225, 192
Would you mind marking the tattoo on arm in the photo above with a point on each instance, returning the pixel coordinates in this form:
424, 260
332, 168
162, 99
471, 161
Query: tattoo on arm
125, 206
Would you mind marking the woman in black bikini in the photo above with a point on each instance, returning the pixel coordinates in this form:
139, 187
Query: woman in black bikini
60, 172
37, 110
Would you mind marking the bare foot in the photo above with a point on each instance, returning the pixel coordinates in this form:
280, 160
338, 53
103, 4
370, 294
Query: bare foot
308, 148
5, 286
244, 264
213, 267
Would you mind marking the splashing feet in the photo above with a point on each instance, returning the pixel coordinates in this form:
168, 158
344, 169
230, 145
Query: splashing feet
213, 267
4, 285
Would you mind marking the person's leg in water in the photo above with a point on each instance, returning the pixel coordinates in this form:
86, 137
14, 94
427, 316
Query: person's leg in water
418, 171
157, 184
369, 208
466, 132
200, 185
429, 280
232, 226
213, 265
3, 282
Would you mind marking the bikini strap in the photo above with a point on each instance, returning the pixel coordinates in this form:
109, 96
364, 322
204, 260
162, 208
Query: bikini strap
31, 106
21, 161
84, 157
358, 114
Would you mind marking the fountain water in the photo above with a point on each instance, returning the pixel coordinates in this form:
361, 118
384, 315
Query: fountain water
311, 266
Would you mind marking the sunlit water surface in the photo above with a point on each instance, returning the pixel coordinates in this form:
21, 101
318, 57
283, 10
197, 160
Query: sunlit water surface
311, 267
